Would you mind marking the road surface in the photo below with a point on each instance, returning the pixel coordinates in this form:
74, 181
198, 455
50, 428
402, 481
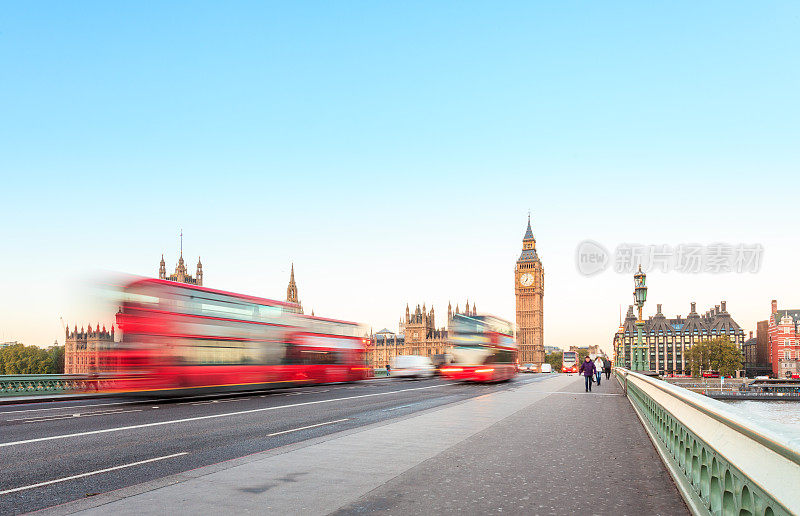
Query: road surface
53, 453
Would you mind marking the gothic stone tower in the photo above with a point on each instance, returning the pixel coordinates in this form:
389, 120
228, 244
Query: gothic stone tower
529, 292
291, 292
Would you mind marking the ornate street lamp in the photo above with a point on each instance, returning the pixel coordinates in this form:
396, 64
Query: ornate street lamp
641, 354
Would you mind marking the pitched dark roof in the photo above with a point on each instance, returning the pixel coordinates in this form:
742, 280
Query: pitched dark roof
529, 231
712, 323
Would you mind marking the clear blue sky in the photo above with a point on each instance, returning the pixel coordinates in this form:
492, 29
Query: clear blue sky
392, 150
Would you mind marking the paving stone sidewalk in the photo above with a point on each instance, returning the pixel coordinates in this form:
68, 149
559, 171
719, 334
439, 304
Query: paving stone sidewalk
569, 453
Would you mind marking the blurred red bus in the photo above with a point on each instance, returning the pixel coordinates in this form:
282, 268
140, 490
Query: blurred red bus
179, 337
483, 349
569, 362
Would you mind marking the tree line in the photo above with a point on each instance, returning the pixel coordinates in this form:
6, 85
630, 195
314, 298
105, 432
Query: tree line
718, 354
22, 359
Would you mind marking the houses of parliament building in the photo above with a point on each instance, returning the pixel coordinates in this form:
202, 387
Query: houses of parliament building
418, 334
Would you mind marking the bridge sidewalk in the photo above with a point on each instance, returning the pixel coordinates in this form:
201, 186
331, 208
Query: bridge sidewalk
569, 453
542, 448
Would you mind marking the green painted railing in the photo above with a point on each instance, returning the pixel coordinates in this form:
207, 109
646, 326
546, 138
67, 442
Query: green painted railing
42, 384
723, 462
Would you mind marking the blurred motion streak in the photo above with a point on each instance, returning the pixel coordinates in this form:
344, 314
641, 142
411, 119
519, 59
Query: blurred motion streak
179, 338
483, 348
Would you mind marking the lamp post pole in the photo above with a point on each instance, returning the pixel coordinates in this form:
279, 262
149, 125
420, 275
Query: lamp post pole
641, 355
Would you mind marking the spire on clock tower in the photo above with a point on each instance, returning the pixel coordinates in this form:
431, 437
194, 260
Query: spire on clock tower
528, 245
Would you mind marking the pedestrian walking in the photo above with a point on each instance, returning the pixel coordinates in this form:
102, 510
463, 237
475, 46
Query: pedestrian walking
388, 370
598, 369
587, 370
607, 367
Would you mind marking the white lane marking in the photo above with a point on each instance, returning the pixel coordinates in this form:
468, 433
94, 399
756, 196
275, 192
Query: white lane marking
63, 416
68, 407
307, 427
106, 470
37, 419
213, 416
397, 408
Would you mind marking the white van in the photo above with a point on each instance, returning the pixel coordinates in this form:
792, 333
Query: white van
412, 366
546, 368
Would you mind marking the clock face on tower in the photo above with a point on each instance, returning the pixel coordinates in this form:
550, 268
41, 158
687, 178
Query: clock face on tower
526, 280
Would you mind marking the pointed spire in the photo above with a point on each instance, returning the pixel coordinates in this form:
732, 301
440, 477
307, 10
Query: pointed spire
199, 273
162, 268
528, 231
291, 290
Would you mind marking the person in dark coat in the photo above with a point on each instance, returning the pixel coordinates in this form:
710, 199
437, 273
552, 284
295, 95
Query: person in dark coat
587, 370
607, 367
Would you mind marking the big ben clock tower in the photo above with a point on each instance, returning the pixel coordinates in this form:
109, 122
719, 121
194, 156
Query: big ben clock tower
529, 291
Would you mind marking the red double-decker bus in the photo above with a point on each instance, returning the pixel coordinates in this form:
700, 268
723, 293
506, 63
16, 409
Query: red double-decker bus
483, 349
180, 338
569, 362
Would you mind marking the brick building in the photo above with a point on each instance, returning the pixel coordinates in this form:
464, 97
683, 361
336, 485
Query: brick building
784, 341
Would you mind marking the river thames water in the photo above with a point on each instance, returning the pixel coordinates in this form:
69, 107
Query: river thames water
784, 412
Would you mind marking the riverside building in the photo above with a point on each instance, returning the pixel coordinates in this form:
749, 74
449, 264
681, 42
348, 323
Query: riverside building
669, 339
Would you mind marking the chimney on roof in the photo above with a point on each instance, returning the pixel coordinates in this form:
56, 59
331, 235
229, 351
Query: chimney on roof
724, 306
694, 307
751, 334
774, 306
716, 309
659, 308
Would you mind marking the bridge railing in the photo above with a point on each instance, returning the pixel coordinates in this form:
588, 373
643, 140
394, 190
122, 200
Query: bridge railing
42, 384
722, 462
